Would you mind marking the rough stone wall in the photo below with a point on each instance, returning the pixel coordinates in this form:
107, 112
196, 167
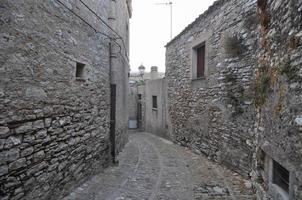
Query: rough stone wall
142, 92
214, 115
156, 117
132, 102
54, 128
120, 68
279, 78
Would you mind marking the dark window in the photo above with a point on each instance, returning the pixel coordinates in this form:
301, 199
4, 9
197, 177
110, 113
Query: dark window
280, 176
200, 51
139, 96
80, 71
154, 101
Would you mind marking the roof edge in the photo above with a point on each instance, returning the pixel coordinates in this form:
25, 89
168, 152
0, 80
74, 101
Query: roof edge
207, 12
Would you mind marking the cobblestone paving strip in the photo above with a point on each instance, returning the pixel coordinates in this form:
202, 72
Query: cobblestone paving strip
152, 168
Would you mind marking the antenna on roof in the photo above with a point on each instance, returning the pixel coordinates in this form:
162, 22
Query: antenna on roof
171, 15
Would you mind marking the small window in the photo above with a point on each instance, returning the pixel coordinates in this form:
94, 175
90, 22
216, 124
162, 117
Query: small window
80, 73
280, 176
154, 102
200, 55
139, 96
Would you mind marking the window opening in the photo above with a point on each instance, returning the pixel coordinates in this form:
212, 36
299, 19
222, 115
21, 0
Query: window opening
154, 102
80, 71
200, 51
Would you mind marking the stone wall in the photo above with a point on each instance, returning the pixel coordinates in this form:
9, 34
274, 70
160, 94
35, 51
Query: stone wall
156, 117
279, 86
142, 112
54, 127
119, 20
133, 98
214, 115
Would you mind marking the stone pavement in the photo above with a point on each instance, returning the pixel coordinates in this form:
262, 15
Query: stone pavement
152, 168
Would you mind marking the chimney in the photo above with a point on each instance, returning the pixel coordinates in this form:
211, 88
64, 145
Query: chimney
154, 72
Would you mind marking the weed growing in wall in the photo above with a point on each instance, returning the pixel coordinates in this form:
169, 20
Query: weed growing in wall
251, 21
288, 70
232, 46
261, 88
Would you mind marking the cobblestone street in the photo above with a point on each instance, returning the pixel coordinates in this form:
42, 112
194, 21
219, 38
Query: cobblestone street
154, 168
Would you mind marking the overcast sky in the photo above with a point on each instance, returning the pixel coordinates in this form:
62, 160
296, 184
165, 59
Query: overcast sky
150, 28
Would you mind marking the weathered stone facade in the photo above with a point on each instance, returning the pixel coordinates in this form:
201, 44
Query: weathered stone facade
133, 106
119, 20
149, 118
214, 114
155, 117
54, 124
246, 111
279, 110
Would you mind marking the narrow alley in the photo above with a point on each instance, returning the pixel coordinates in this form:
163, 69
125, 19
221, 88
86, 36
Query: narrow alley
153, 168
150, 100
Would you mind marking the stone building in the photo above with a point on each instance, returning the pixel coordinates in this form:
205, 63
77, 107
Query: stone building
155, 105
234, 91
133, 105
209, 69
147, 102
278, 80
64, 74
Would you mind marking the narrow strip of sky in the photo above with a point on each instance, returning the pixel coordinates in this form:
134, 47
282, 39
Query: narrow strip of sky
150, 28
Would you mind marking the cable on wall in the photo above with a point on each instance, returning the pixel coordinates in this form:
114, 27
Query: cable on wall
96, 31
106, 24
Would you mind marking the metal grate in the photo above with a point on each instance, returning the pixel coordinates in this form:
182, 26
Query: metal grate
280, 176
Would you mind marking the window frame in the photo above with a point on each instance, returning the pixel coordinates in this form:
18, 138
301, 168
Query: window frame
274, 188
194, 45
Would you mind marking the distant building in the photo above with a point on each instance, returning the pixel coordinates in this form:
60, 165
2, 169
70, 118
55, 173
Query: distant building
153, 74
147, 103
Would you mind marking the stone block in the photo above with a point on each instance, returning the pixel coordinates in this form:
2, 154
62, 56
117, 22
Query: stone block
38, 124
9, 156
35, 92
47, 122
29, 138
12, 141
3, 170
41, 134
39, 156
17, 164
36, 168
298, 120
11, 182
4, 132
2, 142
24, 128
27, 152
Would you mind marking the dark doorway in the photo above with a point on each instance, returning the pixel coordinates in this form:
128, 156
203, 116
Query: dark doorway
112, 121
139, 112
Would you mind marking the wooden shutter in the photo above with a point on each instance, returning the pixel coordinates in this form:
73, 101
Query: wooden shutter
200, 61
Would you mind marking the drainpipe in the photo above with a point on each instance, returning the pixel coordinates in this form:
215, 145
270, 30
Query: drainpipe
111, 19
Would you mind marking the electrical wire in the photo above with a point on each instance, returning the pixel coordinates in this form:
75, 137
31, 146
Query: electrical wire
96, 31
119, 37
